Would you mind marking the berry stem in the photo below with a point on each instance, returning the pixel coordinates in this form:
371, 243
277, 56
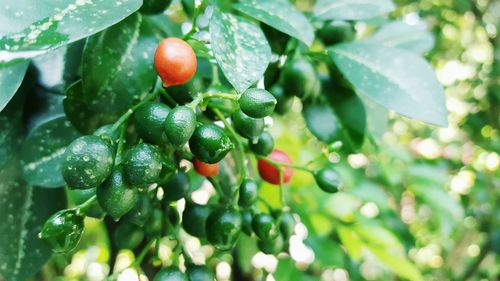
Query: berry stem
220, 95
280, 164
82, 208
282, 187
142, 254
192, 31
125, 116
121, 144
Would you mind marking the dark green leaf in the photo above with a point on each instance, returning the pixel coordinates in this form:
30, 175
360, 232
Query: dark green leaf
10, 80
401, 35
281, 15
351, 10
322, 122
42, 152
240, 48
24, 210
326, 252
31, 29
394, 78
118, 65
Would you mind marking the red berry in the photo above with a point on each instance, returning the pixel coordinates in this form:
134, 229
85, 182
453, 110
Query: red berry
175, 61
205, 169
270, 173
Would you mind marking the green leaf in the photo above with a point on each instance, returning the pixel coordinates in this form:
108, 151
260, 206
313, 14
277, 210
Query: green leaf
281, 15
401, 35
83, 118
351, 10
394, 78
440, 201
326, 252
398, 264
24, 210
42, 152
287, 270
377, 236
351, 242
342, 205
240, 48
118, 65
10, 80
31, 30
377, 119
352, 115
322, 122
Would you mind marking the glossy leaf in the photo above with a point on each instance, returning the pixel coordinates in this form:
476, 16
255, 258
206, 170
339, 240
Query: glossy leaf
31, 30
11, 128
240, 48
281, 15
401, 35
394, 78
351, 10
24, 210
10, 80
42, 152
322, 122
117, 65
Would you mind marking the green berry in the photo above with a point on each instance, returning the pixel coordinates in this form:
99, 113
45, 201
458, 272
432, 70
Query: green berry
142, 164
287, 224
149, 120
63, 231
328, 179
155, 224
128, 236
177, 187
194, 219
199, 273
151, 7
337, 32
284, 102
170, 274
248, 127
263, 225
249, 191
87, 162
257, 103
180, 125
116, 196
223, 228
141, 212
264, 144
271, 247
246, 225
210, 144
299, 78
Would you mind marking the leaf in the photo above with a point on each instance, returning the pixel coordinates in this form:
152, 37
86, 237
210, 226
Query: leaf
286, 270
322, 122
118, 65
351, 242
351, 9
377, 236
439, 199
280, 15
394, 78
31, 30
399, 265
326, 252
240, 48
401, 35
342, 205
24, 210
42, 152
10, 80
377, 119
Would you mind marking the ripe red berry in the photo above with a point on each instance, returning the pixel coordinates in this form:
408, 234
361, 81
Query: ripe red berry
175, 61
205, 169
270, 173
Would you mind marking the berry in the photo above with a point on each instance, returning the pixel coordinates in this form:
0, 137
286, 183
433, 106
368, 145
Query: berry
328, 179
264, 144
175, 61
271, 247
141, 212
263, 225
199, 273
270, 173
155, 223
63, 231
284, 102
210, 144
177, 187
149, 122
87, 162
194, 219
204, 169
337, 32
170, 274
115, 195
128, 236
248, 127
142, 164
287, 225
249, 192
257, 103
299, 78
246, 225
151, 7
223, 228
180, 125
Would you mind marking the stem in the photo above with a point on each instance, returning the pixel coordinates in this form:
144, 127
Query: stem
165, 94
282, 187
217, 186
215, 76
268, 206
220, 95
280, 164
121, 144
125, 116
82, 208
142, 254
192, 31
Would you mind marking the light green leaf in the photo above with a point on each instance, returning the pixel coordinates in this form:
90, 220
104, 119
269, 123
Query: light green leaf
240, 48
377, 236
401, 35
43, 150
326, 252
281, 15
322, 122
439, 199
394, 78
118, 65
10, 80
398, 264
351, 242
377, 119
24, 210
351, 9
342, 205
31, 29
